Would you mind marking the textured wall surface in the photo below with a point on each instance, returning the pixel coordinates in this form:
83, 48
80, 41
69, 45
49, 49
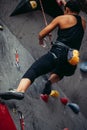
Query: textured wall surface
83, 4
21, 33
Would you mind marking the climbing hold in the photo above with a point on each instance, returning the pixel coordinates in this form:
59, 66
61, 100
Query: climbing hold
6, 120
65, 129
44, 97
75, 108
64, 100
1, 27
25, 6
83, 66
33, 4
54, 93
17, 56
17, 60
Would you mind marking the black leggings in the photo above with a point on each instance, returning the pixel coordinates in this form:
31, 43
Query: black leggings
43, 65
48, 63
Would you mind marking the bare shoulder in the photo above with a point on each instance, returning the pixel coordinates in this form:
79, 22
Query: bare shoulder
61, 17
64, 18
58, 20
64, 21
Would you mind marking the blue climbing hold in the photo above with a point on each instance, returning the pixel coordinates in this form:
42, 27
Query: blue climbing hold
83, 66
75, 108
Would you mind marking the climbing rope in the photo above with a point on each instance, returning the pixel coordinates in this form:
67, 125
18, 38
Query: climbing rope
43, 12
45, 20
22, 124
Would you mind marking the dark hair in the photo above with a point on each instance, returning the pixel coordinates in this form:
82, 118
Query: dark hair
73, 5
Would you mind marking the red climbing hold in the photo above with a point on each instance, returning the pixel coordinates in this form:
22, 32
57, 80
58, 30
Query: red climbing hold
17, 57
64, 100
6, 121
65, 129
44, 97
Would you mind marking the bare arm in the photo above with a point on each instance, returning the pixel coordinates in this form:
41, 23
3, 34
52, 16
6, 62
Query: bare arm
50, 27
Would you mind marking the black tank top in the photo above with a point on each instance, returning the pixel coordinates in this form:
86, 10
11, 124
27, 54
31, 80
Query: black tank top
72, 36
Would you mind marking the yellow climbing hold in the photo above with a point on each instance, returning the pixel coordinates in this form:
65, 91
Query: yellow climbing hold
33, 4
54, 93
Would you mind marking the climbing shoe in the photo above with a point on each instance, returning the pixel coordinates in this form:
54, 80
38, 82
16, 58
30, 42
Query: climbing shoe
44, 97
12, 94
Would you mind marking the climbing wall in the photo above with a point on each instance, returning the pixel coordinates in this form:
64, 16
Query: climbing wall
18, 49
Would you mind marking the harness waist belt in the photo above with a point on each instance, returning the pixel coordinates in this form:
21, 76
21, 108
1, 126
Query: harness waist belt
60, 43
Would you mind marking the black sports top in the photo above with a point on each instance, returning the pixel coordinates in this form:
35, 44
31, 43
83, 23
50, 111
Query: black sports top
72, 36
